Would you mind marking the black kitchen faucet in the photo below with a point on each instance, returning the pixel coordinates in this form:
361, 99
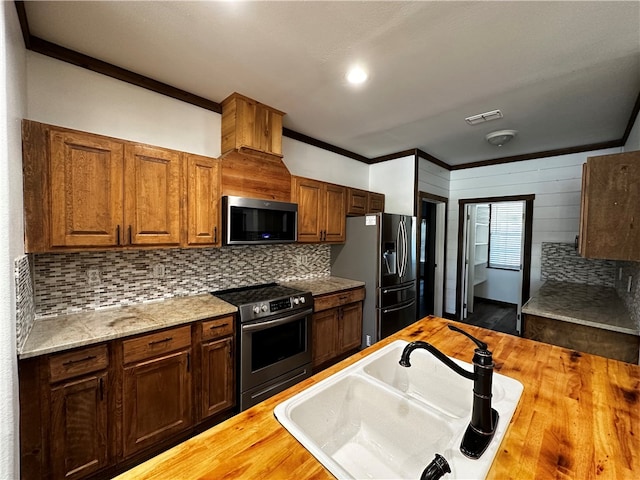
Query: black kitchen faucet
484, 419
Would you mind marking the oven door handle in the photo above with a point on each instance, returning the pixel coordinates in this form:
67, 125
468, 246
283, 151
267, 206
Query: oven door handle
254, 327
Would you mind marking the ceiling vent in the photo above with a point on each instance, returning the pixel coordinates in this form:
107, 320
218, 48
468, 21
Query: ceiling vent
484, 117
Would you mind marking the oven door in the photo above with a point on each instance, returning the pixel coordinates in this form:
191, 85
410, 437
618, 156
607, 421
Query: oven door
272, 347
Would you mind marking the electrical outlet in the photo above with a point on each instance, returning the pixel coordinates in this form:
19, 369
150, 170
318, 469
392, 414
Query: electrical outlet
93, 277
158, 270
367, 340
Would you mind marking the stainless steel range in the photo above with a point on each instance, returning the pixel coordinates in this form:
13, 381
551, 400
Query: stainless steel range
274, 337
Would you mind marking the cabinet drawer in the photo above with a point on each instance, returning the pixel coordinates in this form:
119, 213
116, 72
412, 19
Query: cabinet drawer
337, 299
220, 327
79, 362
154, 344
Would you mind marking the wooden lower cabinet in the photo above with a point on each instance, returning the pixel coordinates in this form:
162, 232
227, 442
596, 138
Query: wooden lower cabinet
157, 400
79, 423
218, 377
92, 411
583, 338
336, 325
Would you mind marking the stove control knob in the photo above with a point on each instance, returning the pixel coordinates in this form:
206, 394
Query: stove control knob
302, 300
256, 309
264, 307
296, 300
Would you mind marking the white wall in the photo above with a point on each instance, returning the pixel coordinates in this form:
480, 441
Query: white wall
395, 178
65, 95
12, 108
433, 178
501, 285
633, 142
556, 183
312, 162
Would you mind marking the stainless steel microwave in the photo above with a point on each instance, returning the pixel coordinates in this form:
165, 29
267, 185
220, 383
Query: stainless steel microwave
253, 221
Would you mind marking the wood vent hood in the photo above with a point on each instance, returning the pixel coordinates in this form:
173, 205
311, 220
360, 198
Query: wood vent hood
251, 146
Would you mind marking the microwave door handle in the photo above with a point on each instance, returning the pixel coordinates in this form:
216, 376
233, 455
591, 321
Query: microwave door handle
254, 327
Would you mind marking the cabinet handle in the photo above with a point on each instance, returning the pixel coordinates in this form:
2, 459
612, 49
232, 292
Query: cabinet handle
215, 234
164, 340
101, 389
118, 234
213, 327
80, 360
130, 242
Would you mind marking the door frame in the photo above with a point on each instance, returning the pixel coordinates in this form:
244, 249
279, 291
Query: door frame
441, 247
528, 234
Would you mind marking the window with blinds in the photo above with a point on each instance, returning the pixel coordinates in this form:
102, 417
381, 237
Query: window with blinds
505, 235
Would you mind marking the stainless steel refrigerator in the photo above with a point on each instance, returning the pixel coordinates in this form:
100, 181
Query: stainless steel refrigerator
381, 251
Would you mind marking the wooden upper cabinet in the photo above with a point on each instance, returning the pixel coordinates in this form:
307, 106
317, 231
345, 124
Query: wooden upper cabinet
375, 202
357, 201
309, 196
361, 202
86, 189
248, 124
335, 215
152, 195
321, 210
610, 207
202, 199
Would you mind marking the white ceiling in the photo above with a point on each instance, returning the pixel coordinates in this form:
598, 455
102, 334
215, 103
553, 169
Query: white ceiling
563, 73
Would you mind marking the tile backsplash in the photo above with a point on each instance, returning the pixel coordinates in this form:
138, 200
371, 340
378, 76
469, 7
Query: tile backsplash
561, 261
73, 282
25, 307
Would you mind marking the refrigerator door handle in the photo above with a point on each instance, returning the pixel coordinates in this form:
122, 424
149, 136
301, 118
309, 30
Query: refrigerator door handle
400, 306
398, 289
405, 247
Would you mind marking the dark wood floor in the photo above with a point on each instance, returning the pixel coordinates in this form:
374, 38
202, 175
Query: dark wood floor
495, 316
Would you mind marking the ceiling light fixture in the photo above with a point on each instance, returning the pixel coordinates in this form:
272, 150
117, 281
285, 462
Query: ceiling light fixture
357, 75
500, 137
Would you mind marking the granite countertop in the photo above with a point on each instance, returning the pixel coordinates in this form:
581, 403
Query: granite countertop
591, 305
64, 332
324, 285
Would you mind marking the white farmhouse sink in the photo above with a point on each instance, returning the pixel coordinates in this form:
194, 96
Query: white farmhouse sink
377, 419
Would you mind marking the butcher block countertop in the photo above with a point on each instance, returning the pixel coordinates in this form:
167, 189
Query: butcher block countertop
578, 418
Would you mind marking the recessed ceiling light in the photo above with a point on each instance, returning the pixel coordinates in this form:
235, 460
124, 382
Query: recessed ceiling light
357, 75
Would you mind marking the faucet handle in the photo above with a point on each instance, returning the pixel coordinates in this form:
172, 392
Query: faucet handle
481, 345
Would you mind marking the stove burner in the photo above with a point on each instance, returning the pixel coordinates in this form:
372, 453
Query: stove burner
264, 300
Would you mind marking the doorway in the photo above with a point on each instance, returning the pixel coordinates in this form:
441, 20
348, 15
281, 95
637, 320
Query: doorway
432, 211
494, 260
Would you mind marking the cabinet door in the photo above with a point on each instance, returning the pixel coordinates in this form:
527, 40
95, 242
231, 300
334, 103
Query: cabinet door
611, 195
86, 190
203, 210
79, 427
357, 201
309, 196
375, 202
350, 327
335, 223
152, 195
218, 380
267, 131
157, 400
325, 335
